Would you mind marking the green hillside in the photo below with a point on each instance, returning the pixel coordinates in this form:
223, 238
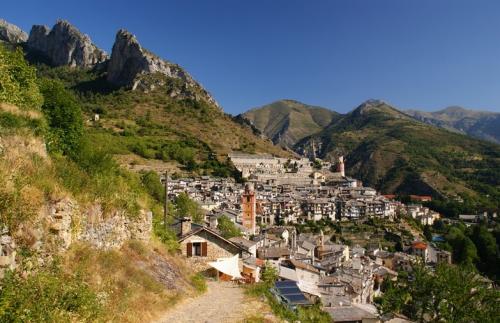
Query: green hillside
397, 154
150, 130
286, 122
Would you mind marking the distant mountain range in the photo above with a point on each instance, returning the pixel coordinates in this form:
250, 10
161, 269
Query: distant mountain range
388, 149
480, 124
286, 122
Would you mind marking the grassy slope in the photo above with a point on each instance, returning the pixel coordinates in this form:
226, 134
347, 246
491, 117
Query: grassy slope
292, 120
137, 127
128, 285
390, 151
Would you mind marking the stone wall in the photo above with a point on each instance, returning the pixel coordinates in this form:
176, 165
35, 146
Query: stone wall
7, 252
216, 248
109, 231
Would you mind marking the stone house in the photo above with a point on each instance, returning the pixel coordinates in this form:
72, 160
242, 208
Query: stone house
306, 275
200, 244
419, 249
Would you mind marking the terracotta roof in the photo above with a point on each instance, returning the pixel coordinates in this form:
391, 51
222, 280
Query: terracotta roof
419, 245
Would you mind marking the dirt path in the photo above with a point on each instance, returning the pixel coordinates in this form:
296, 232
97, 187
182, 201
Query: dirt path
222, 302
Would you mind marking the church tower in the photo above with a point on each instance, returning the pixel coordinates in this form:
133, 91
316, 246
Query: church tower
248, 208
341, 168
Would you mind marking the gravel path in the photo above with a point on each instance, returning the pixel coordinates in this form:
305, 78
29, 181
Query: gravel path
222, 302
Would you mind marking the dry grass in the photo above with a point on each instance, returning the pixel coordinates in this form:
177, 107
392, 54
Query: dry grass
32, 114
131, 282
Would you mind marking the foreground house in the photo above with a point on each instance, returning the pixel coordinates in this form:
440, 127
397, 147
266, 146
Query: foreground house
202, 245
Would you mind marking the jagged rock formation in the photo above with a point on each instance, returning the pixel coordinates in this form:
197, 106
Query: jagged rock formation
130, 62
11, 33
65, 45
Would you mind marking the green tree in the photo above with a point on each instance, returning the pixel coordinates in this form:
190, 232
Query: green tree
185, 206
227, 228
487, 250
64, 117
154, 187
269, 274
450, 294
428, 232
464, 250
18, 82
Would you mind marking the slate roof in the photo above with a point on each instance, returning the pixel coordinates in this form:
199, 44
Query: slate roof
348, 313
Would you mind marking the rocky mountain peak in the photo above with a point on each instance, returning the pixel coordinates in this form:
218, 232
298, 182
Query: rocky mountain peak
376, 106
130, 63
11, 33
64, 44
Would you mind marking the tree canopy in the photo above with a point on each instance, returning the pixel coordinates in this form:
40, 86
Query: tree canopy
185, 206
64, 116
449, 294
18, 81
227, 228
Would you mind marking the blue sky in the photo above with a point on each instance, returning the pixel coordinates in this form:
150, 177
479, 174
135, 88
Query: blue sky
426, 54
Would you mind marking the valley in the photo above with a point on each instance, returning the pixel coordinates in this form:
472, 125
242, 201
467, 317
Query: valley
129, 194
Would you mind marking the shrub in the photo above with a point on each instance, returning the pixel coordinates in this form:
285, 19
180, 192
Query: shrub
227, 228
47, 296
18, 80
199, 283
64, 117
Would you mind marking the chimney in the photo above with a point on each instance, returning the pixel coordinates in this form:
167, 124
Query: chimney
185, 225
213, 221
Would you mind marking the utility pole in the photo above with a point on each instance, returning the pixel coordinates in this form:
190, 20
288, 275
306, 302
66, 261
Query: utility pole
165, 205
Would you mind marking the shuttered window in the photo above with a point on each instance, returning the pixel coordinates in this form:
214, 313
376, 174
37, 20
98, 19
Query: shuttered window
189, 251
204, 249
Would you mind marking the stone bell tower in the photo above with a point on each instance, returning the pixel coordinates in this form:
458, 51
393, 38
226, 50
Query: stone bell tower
248, 208
341, 167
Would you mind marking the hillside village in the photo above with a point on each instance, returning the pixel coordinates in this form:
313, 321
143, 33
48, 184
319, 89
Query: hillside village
279, 193
126, 190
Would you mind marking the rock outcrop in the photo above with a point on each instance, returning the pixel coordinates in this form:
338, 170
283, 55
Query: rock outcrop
7, 252
68, 223
130, 62
11, 33
65, 45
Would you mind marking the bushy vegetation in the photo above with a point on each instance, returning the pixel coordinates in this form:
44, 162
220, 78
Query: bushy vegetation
199, 283
450, 294
184, 206
18, 82
227, 228
64, 117
473, 246
49, 295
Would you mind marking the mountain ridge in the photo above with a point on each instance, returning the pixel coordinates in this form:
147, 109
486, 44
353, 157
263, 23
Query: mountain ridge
287, 121
479, 124
395, 153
